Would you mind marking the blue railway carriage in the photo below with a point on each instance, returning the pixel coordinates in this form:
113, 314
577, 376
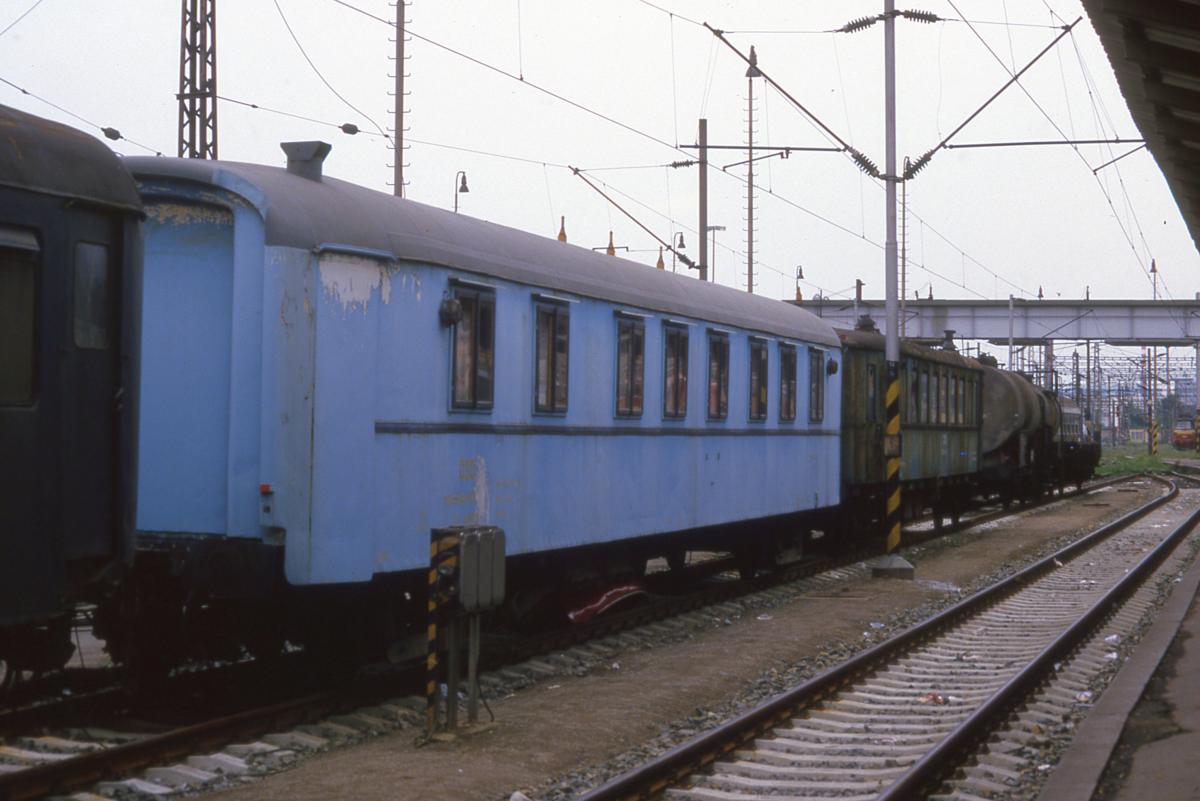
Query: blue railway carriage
68, 250
329, 372
940, 429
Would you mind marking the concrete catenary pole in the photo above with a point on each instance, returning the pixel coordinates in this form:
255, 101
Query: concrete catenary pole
752, 72
398, 123
703, 229
892, 441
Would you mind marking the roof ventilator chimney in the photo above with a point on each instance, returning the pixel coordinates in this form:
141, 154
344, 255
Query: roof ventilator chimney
305, 158
948, 342
865, 323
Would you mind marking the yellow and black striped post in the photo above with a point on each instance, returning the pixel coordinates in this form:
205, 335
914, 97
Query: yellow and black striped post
891, 452
1154, 438
443, 562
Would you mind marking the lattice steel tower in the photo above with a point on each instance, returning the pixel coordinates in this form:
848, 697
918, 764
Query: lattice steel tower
198, 80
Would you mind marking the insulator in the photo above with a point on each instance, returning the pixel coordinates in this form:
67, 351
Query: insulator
918, 165
111, 133
865, 164
684, 163
349, 128
862, 23
920, 16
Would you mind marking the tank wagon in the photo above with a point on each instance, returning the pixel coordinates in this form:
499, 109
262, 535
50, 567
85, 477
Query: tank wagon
329, 372
940, 425
1033, 440
68, 356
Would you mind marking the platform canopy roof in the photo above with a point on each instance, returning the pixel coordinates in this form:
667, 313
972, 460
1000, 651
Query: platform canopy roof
1154, 48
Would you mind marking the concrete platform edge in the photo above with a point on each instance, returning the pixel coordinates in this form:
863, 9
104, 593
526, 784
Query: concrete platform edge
1078, 773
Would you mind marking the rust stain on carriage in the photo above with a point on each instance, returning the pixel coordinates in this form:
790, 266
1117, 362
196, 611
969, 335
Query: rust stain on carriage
188, 213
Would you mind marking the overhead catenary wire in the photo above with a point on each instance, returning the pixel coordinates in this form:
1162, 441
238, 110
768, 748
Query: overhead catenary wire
108, 131
1058, 128
770, 193
318, 73
345, 127
924, 159
26, 13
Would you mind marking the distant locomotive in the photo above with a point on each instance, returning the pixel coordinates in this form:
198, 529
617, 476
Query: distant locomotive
1183, 435
234, 402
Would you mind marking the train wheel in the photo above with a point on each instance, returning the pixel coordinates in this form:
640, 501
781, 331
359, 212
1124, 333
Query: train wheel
676, 558
8, 679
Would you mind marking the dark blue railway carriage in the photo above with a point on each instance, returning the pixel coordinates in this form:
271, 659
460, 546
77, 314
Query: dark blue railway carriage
68, 250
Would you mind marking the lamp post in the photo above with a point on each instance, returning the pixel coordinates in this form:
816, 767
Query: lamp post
459, 188
712, 257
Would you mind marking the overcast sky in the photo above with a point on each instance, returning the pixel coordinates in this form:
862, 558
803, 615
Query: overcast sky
987, 222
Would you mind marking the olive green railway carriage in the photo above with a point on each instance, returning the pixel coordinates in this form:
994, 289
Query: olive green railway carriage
940, 430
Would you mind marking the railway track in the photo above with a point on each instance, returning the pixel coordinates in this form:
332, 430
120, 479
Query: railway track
91, 759
896, 721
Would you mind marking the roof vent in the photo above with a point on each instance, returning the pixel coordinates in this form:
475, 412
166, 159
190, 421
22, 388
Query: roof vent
948, 342
865, 323
305, 158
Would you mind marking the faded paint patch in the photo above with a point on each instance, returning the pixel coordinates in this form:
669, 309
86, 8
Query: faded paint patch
473, 470
408, 281
188, 214
481, 491
351, 280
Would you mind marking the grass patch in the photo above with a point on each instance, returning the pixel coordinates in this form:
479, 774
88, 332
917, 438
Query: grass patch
1125, 459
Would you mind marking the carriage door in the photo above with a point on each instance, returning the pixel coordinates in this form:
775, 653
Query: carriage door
28, 581
90, 392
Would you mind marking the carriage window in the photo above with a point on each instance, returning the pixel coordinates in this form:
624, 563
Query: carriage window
18, 300
787, 382
675, 371
474, 349
816, 386
631, 340
718, 376
758, 379
961, 400
91, 295
943, 397
872, 395
551, 368
927, 402
912, 379
935, 403
951, 399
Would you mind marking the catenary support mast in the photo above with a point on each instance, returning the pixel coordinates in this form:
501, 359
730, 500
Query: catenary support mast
198, 80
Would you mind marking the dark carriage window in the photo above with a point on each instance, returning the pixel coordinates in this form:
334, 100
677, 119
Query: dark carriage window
935, 391
718, 376
944, 399
909, 396
925, 393
552, 358
816, 386
675, 371
91, 296
960, 401
631, 341
787, 383
758, 379
872, 393
474, 349
18, 304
